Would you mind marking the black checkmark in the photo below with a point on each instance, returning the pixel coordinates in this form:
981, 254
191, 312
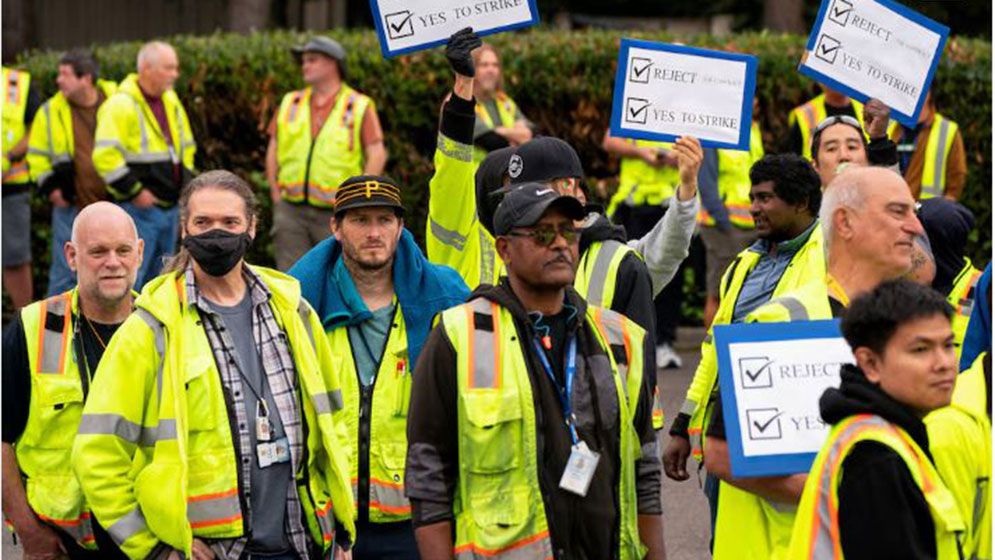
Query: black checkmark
638, 72
837, 12
397, 28
827, 49
761, 427
752, 376
634, 113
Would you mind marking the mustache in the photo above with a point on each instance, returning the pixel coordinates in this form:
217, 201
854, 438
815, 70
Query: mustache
561, 257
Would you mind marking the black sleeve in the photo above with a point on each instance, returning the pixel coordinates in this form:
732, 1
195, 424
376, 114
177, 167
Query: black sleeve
793, 141
634, 294
882, 512
648, 480
33, 104
679, 428
16, 381
491, 141
432, 472
717, 424
458, 118
882, 152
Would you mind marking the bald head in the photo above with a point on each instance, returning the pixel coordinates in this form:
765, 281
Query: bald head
105, 252
868, 219
158, 67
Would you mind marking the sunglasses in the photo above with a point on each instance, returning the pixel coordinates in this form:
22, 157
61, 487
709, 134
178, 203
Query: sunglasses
544, 236
837, 119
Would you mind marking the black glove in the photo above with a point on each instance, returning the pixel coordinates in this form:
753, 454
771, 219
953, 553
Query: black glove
458, 50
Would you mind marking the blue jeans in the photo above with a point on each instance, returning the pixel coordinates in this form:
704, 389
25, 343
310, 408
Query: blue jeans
159, 228
60, 278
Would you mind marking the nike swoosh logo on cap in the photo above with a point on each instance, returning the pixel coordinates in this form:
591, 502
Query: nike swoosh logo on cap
543, 192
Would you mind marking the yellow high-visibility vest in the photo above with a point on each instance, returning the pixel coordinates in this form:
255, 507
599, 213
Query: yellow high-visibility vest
734, 181
507, 109
641, 184
16, 84
809, 115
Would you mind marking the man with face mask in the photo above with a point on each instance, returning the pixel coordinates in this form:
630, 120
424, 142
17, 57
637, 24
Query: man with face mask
50, 356
60, 152
376, 295
209, 431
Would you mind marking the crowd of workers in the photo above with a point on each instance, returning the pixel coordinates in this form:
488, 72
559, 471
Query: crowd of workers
495, 395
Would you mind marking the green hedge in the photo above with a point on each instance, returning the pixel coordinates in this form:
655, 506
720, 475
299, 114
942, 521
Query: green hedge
232, 84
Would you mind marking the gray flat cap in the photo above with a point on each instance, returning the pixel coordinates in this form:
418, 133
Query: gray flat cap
323, 45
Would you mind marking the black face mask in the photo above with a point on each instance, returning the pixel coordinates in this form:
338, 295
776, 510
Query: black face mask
217, 251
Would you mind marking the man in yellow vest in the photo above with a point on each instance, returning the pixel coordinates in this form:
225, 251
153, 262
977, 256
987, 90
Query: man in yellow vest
20, 104
841, 140
869, 226
500, 122
726, 227
209, 429
50, 354
530, 431
874, 490
784, 203
320, 136
376, 295
803, 119
144, 151
60, 153
947, 225
932, 155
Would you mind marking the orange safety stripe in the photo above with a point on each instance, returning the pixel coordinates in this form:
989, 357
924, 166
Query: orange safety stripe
65, 331
495, 551
66, 522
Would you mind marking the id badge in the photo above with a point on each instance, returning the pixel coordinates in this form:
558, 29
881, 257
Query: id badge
273, 452
580, 469
264, 430
264, 453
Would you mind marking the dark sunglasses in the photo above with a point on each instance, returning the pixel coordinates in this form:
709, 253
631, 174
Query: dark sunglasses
544, 236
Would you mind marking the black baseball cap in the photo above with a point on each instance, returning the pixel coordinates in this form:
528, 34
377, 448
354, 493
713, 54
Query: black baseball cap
366, 191
543, 159
526, 204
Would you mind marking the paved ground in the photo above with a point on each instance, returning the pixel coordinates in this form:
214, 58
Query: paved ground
685, 508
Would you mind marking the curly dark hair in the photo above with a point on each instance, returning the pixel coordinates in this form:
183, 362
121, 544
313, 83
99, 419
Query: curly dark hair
872, 318
795, 180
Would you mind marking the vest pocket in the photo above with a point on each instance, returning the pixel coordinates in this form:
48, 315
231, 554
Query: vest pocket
201, 409
499, 516
59, 406
493, 434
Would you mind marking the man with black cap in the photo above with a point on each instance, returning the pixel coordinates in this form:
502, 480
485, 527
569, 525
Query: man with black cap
947, 225
320, 136
538, 407
460, 231
376, 295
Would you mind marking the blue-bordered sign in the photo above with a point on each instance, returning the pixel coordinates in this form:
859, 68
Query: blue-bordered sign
412, 25
771, 376
875, 48
663, 92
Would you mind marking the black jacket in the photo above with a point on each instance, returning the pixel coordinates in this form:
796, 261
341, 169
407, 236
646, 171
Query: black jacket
882, 512
580, 528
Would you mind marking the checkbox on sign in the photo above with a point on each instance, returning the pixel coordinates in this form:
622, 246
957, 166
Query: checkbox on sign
827, 48
636, 110
764, 423
639, 70
839, 12
755, 372
399, 24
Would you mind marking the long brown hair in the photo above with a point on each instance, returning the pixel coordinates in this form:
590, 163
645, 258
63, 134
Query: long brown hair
221, 180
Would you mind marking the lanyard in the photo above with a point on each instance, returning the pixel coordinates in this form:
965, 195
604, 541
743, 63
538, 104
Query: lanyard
570, 370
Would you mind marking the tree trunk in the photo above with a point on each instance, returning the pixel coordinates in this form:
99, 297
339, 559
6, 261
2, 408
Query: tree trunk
247, 15
785, 15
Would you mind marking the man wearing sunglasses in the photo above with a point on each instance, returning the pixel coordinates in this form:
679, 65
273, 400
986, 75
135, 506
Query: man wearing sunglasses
840, 139
522, 403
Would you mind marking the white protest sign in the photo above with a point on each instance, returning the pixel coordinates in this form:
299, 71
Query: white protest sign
663, 92
411, 25
875, 49
771, 377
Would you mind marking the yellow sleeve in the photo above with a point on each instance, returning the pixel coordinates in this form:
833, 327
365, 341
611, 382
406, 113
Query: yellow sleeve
116, 123
452, 236
39, 146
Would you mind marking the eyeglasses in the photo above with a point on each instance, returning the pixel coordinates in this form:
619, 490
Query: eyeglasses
837, 119
544, 236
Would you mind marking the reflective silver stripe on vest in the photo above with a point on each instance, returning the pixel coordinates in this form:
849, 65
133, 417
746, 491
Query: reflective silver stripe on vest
115, 175
132, 523
612, 323
689, 407
326, 521
796, 311
447, 236
304, 310
48, 127
213, 508
159, 335
388, 498
488, 258
81, 530
935, 188
325, 403
117, 425
532, 548
141, 126
596, 283
484, 374
51, 352
822, 545
459, 151
109, 143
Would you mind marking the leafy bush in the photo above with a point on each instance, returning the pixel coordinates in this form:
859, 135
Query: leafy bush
232, 84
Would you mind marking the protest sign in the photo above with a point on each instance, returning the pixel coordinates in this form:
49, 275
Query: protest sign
771, 376
875, 49
663, 92
411, 25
